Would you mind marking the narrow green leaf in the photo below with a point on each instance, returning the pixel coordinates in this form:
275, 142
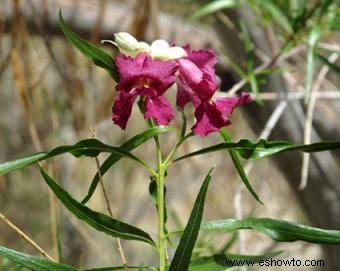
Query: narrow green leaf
251, 77
129, 145
183, 253
237, 163
212, 7
112, 268
314, 37
221, 262
277, 14
336, 23
87, 147
97, 55
32, 262
331, 65
20, 163
263, 148
99, 221
227, 246
232, 64
278, 230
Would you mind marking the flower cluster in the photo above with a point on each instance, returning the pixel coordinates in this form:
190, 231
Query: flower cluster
150, 70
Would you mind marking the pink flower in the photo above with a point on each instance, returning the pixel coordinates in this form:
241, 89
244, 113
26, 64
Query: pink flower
197, 84
214, 114
143, 76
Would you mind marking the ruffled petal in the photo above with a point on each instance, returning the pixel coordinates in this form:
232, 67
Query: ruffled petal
205, 59
159, 75
197, 72
122, 108
158, 108
213, 115
185, 95
204, 120
227, 105
189, 72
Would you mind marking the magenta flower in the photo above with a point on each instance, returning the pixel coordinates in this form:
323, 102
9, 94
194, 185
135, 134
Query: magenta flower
197, 84
152, 71
150, 78
212, 115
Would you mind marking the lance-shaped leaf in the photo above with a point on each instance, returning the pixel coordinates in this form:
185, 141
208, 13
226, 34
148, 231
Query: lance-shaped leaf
122, 267
263, 148
314, 37
129, 145
99, 221
212, 7
88, 147
237, 163
221, 262
32, 262
183, 253
278, 230
331, 65
97, 55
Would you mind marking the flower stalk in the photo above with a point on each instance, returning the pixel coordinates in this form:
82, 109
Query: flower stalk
160, 178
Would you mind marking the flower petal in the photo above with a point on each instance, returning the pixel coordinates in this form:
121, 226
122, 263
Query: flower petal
190, 72
159, 74
213, 115
205, 59
185, 95
122, 108
197, 71
227, 105
204, 120
158, 108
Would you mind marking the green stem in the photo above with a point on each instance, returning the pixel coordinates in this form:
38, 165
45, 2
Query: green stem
160, 204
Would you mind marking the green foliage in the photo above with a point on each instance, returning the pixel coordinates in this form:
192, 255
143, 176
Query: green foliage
263, 148
87, 147
278, 230
183, 253
297, 22
212, 7
250, 76
97, 55
129, 145
332, 66
237, 163
219, 262
314, 37
97, 220
32, 262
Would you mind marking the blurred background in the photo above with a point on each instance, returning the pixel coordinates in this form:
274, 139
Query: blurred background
284, 52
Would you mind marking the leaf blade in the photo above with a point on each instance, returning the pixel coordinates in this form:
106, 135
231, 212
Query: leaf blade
32, 262
313, 40
186, 245
97, 55
99, 221
278, 230
222, 262
129, 145
263, 148
88, 147
331, 65
212, 7
237, 163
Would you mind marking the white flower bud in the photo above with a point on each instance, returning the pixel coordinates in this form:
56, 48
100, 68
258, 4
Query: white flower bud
160, 49
126, 43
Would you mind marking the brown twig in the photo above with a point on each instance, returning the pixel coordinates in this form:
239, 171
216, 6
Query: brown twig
309, 118
108, 206
26, 238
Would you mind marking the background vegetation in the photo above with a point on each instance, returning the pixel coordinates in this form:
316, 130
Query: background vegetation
284, 52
